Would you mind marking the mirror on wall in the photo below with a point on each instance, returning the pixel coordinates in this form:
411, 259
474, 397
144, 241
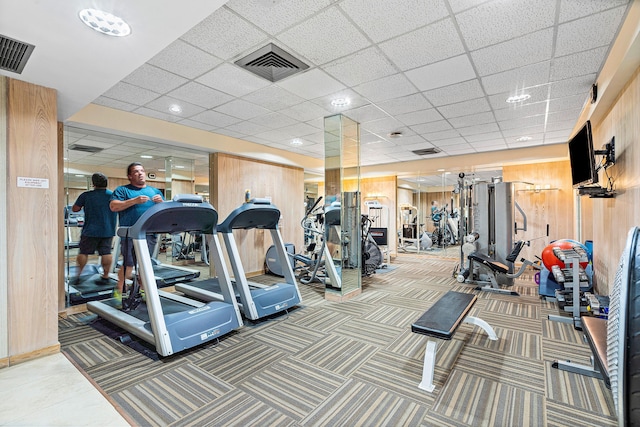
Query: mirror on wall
173, 170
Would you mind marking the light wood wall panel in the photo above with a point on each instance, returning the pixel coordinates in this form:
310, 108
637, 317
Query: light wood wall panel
231, 176
612, 218
4, 201
33, 215
553, 206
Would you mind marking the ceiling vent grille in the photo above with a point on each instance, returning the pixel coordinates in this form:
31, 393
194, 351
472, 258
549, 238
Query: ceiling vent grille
426, 151
85, 148
14, 54
272, 63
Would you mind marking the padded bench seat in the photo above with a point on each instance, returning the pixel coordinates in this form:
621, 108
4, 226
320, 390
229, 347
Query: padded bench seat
489, 262
441, 321
595, 330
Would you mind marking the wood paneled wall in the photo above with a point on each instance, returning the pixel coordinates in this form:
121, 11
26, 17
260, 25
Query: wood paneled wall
231, 176
612, 218
553, 206
4, 244
33, 217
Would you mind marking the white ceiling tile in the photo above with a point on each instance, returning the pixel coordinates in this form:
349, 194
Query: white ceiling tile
247, 128
384, 126
201, 95
154, 78
513, 80
489, 136
525, 50
537, 94
460, 5
131, 94
570, 10
365, 113
520, 123
231, 79
225, 35
325, 37
494, 147
497, 21
274, 16
520, 111
185, 60
157, 114
419, 117
386, 88
436, 126
317, 123
114, 103
578, 64
475, 119
424, 46
306, 111
409, 140
273, 120
417, 146
455, 93
443, 73
195, 124
575, 102
525, 130
465, 108
563, 116
241, 109
311, 84
398, 16
163, 104
469, 132
360, 67
445, 138
273, 98
215, 119
405, 104
229, 132
579, 35
489, 143
575, 86
299, 130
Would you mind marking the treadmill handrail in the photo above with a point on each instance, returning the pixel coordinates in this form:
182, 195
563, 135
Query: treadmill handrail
251, 215
173, 217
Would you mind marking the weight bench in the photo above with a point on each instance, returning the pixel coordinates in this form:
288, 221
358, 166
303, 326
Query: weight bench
595, 330
441, 321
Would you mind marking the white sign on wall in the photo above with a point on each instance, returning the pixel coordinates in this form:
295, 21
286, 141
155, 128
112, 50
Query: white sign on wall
28, 182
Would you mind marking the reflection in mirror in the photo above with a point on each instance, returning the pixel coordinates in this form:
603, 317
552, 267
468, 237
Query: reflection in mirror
87, 152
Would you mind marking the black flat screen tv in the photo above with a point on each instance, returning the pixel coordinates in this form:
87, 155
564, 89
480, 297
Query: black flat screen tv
582, 157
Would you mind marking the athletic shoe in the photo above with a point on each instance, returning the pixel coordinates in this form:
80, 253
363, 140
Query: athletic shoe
142, 295
74, 281
117, 296
103, 281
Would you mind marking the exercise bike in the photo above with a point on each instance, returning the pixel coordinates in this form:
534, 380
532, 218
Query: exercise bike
371, 253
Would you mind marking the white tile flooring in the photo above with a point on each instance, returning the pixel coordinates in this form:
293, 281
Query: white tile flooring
50, 391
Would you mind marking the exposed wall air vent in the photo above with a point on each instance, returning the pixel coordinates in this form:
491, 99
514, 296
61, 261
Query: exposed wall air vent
426, 151
14, 54
85, 148
272, 63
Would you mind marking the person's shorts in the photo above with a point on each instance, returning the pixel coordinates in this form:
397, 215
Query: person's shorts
128, 254
89, 245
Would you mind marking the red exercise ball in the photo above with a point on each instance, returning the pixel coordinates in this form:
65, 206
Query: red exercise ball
549, 259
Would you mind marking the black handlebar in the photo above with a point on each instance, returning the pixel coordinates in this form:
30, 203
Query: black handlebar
313, 207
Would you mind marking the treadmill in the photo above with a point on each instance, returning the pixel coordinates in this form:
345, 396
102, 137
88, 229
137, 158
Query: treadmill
172, 322
256, 300
90, 287
332, 222
165, 274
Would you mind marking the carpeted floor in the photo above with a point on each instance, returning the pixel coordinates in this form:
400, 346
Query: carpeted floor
357, 363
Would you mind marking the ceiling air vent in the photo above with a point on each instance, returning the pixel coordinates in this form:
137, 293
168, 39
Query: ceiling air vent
272, 63
14, 54
85, 148
426, 151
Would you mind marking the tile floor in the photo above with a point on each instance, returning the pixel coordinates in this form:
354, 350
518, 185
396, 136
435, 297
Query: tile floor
50, 391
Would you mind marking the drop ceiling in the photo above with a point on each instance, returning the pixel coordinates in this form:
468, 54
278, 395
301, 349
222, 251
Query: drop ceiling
437, 71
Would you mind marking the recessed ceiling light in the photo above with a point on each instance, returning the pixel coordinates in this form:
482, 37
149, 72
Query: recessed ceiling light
104, 22
523, 138
296, 142
146, 156
395, 135
179, 167
518, 98
341, 102
440, 170
162, 170
175, 108
79, 176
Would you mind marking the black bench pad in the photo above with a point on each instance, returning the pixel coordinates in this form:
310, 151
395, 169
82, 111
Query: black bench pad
443, 318
595, 330
489, 262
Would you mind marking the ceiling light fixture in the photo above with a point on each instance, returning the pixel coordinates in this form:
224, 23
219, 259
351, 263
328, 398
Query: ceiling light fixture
523, 138
104, 22
296, 142
341, 102
518, 98
146, 156
395, 135
179, 167
175, 108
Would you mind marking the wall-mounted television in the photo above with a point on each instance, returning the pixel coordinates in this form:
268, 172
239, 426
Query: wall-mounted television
582, 157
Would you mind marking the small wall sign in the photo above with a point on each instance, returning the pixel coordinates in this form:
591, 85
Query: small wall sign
28, 182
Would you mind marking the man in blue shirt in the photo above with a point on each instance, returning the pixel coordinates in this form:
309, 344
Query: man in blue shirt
99, 225
131, 201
